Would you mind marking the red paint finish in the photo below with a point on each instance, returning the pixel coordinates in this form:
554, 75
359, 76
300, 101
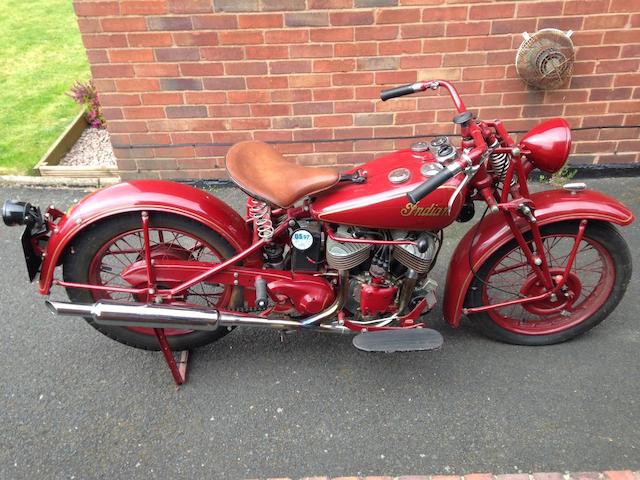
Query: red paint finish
550, 207
453, 93
151, 253
548, 144
378, 203
308, 294
178, 376
149, 195
376, 299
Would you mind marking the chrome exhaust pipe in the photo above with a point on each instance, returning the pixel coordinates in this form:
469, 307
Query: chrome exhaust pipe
106, 312
118, 314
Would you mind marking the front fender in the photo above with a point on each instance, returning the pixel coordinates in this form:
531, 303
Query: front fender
479, 243
138, 195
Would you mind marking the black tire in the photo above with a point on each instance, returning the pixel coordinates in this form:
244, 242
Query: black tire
603, 233
83, 248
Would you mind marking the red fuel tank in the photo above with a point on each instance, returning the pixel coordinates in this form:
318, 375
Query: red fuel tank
381, 201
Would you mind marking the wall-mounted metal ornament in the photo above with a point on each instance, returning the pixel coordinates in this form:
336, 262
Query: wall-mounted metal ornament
545, 59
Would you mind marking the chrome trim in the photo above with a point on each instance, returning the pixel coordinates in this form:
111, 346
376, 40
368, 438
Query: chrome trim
575, 187
399, 175
408, 287
417, 87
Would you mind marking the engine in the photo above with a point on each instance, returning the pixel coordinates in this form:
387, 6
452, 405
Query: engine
345, 256
384, 279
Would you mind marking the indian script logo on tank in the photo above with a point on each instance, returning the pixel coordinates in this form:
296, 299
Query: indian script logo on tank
433, 210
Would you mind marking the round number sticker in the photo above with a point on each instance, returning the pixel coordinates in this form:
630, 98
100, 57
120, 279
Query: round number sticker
301, 239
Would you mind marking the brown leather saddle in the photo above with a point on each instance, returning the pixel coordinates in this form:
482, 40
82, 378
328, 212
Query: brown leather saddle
264, 173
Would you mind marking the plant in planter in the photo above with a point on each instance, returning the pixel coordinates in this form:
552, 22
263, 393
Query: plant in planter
83, 149
87, 95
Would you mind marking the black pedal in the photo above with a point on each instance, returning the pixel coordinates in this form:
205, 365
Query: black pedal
405, 340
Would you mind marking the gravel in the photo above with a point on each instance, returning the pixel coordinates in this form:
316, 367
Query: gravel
93, 149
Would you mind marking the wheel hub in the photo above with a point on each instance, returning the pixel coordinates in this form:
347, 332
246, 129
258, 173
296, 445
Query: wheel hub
162, 252
554, 303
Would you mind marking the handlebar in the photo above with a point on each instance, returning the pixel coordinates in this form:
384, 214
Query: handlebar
469, 129
399, 91
421, 87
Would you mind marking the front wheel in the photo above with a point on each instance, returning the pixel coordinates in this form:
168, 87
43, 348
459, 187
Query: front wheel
596, 284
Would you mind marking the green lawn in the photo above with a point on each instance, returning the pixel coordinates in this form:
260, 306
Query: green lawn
41, 55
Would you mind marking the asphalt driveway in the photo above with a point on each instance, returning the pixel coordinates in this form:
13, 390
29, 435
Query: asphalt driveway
75, 404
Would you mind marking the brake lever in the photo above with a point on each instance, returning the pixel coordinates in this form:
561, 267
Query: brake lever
469, 173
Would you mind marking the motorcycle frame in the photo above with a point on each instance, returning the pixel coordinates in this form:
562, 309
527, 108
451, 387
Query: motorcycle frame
168, 294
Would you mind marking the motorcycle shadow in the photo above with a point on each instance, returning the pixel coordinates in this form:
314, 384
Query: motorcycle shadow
313, 351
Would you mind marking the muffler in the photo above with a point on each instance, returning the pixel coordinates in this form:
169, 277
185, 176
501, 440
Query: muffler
120, 314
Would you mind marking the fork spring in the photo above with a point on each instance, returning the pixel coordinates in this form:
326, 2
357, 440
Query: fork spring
499, 162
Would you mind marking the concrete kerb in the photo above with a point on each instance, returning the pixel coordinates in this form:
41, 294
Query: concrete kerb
56, 182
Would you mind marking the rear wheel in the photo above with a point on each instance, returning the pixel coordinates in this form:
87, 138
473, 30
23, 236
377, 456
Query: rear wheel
597, 282
100, 254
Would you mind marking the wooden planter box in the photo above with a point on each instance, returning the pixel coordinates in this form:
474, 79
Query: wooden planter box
48, 165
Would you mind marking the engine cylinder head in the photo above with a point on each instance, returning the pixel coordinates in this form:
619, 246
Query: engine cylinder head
410, 256
344, 256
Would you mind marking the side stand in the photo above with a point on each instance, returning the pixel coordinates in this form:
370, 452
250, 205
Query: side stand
178, 369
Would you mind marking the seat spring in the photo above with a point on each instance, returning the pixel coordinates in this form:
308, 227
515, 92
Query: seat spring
261, 214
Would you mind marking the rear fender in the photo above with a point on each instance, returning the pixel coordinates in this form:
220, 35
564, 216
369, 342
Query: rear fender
482, 241
138, 195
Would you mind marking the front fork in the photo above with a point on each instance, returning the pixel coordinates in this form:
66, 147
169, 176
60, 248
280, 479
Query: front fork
536, 259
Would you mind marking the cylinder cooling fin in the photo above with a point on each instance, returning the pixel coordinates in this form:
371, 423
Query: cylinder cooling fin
410, 256
345, 256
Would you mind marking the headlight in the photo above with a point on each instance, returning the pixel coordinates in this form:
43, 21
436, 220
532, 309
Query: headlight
549, 144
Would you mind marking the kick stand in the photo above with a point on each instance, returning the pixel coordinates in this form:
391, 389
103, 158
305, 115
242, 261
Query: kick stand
178, 369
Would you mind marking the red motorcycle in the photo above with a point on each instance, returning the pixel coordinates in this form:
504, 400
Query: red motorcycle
155, 264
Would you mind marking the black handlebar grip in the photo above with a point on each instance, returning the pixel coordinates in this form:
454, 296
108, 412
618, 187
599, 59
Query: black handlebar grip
396, 92
430, 185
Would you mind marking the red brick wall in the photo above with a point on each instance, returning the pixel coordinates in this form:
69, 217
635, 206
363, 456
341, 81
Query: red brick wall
202, 74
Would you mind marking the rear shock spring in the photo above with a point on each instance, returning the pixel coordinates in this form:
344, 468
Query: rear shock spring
261, 214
